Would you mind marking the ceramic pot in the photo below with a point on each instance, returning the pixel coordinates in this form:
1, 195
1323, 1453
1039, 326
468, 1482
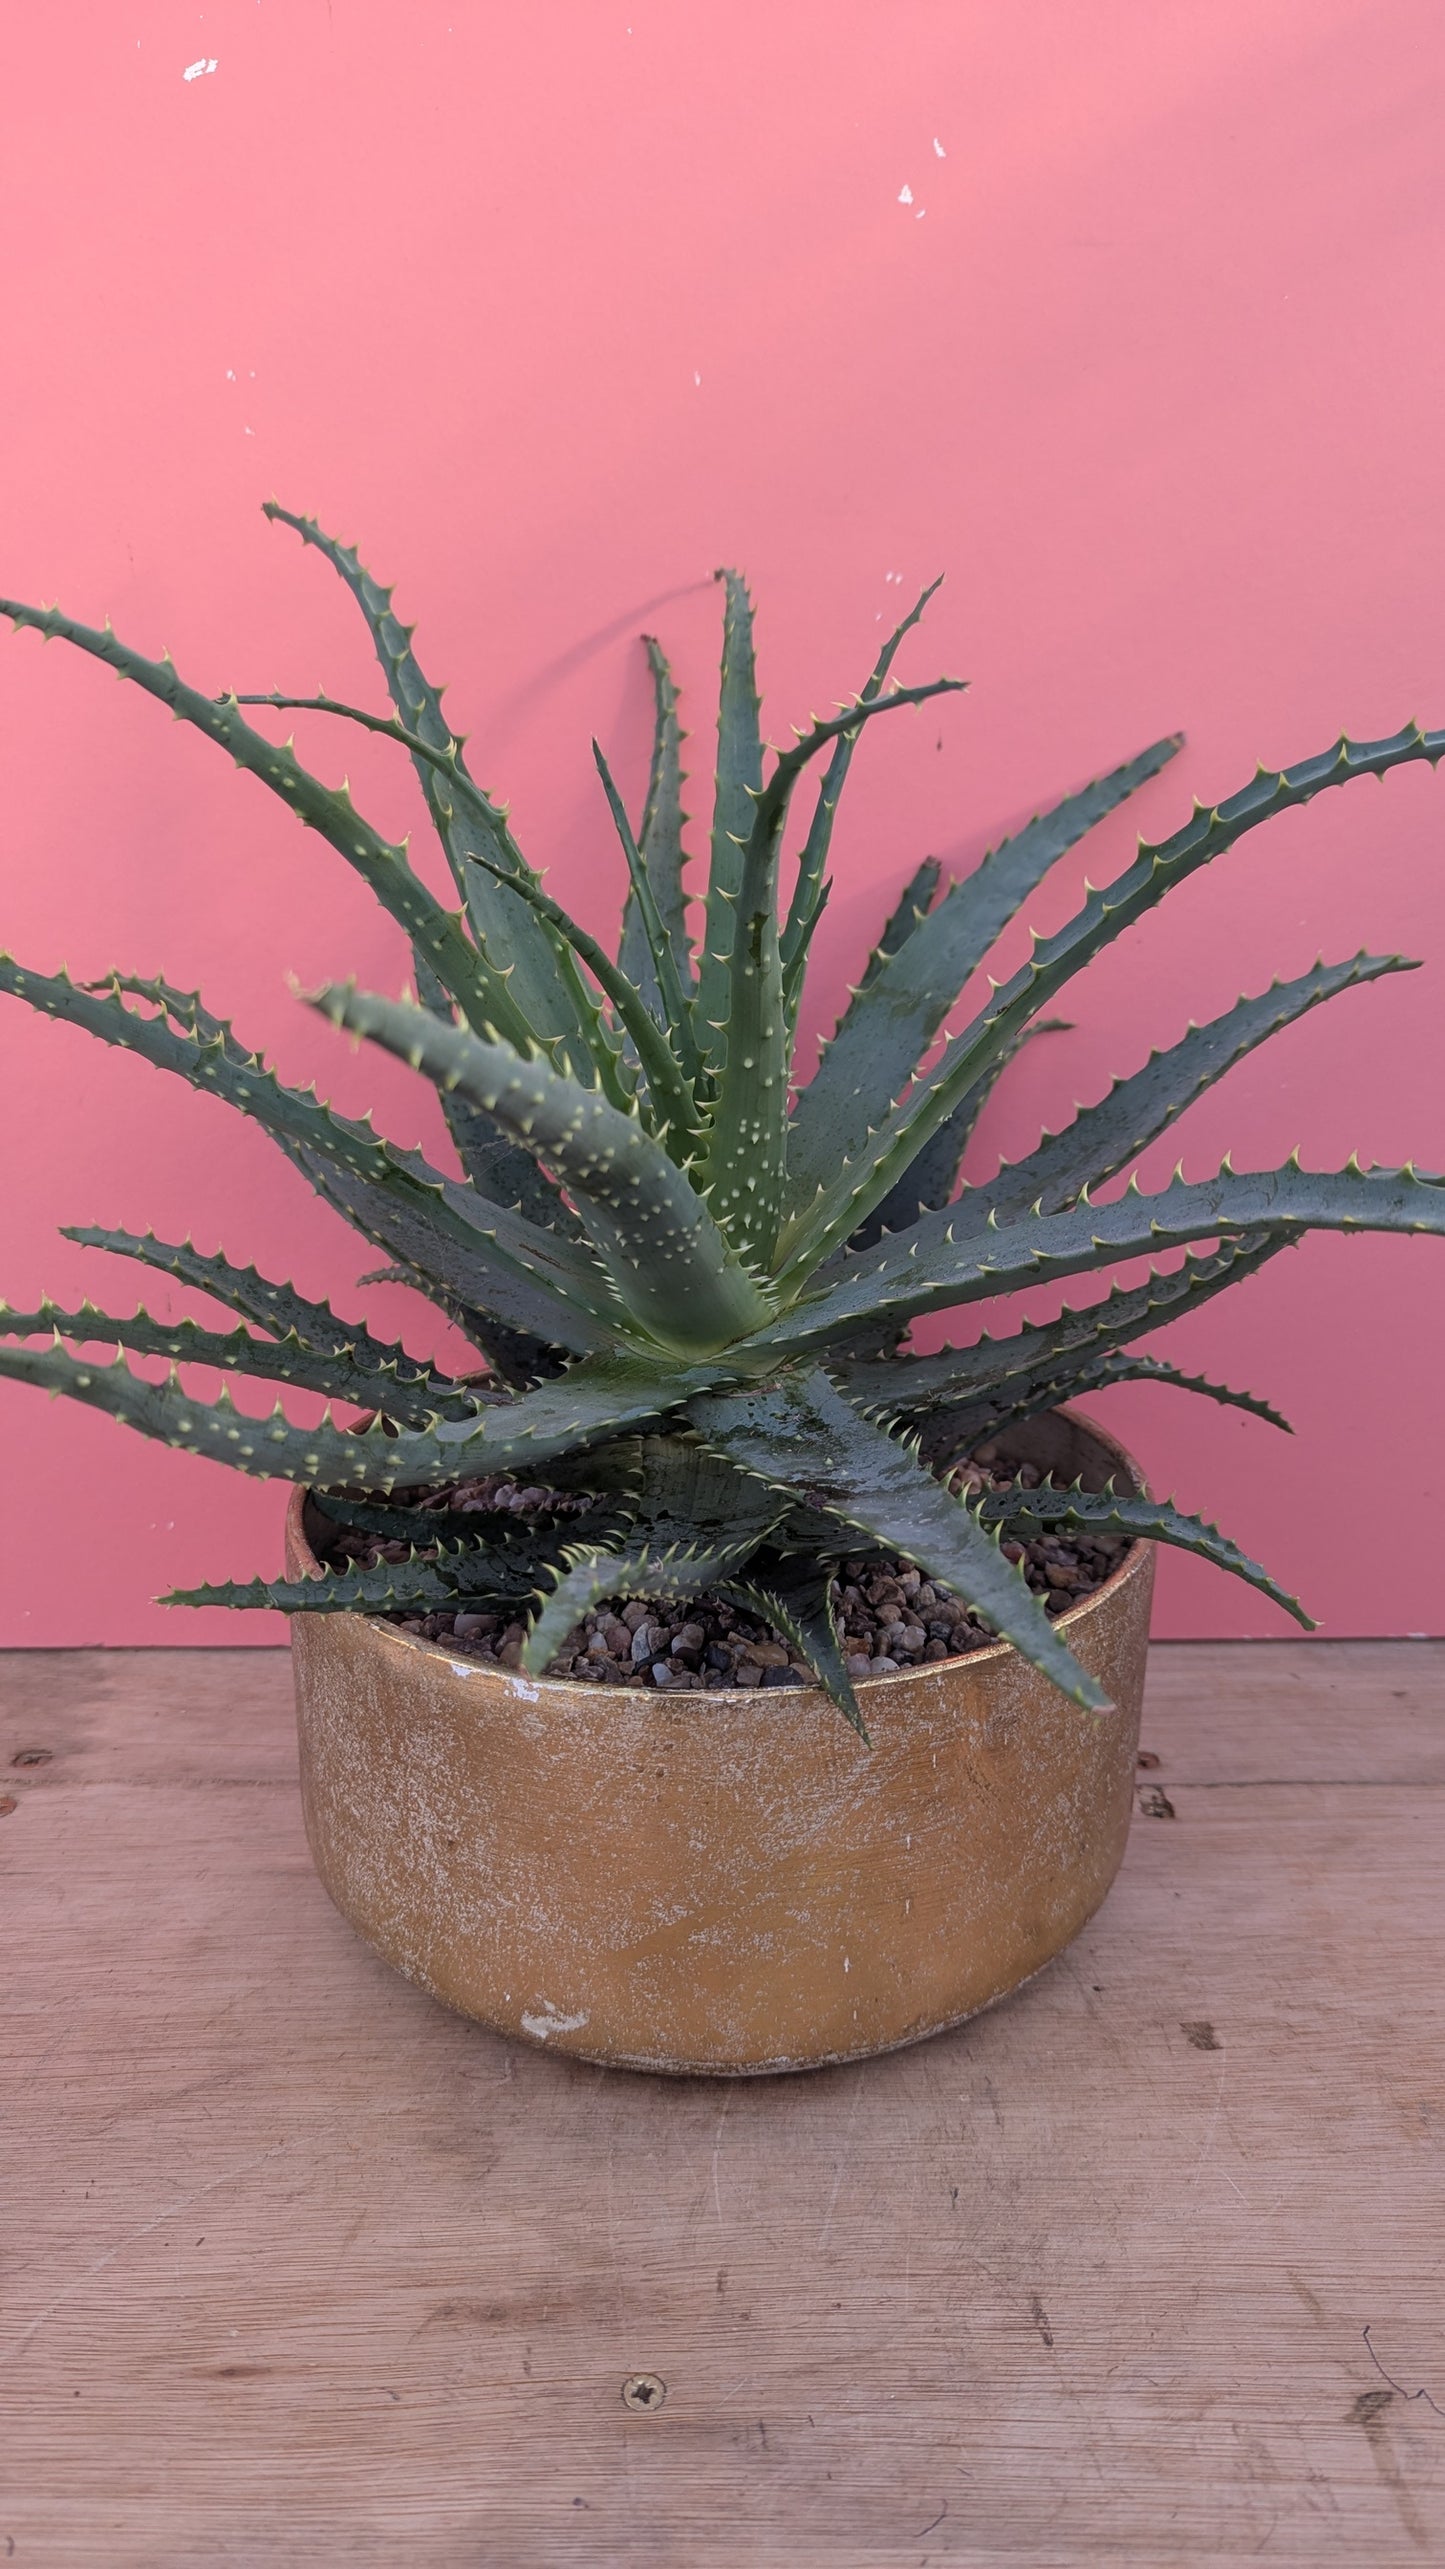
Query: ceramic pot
722, 1884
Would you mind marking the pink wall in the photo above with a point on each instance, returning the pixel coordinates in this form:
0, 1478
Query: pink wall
554, 309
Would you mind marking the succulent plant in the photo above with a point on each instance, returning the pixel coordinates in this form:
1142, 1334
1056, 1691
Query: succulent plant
691, 1283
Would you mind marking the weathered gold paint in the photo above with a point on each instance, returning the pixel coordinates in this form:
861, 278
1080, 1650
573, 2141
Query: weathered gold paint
723, 1884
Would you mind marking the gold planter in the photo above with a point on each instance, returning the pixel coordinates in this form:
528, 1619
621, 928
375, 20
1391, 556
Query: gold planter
722, 1884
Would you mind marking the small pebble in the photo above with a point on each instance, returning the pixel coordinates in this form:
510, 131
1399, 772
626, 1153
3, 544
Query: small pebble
891, 1616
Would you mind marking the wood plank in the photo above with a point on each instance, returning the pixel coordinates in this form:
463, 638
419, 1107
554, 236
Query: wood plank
1247, 1712
297, 2268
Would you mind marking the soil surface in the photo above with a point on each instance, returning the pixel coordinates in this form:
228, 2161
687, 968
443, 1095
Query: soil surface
890, 1616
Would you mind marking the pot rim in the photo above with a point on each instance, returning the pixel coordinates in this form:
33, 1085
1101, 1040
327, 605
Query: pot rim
629, 1695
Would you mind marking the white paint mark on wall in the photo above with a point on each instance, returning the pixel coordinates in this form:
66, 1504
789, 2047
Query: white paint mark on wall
905, 194
938, 147
551, 2023
697, 379
198, 70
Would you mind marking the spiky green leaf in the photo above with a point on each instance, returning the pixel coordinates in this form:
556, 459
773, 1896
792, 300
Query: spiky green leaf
886, 1151
912, 908
637, 1569
809, 889
335, 1372
276, 1308
485, 993
1156, 1369
676, 1007
659, 841
674, 1108
1103, 1139
931, 1180
891, 1023
796, 1598
801, 1435
446, 1578
595, 1400
505, 1175
690, 1516
998, 1368
1143, 1519
671, 1268
743, 1158
930, 1269
944, 1432
533, 1280
739, 778
468, 822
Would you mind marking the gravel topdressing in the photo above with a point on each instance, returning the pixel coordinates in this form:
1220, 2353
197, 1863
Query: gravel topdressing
889, 1614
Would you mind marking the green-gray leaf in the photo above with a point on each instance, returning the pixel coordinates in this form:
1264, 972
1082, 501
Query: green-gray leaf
334, 1372
660, 841
1045, 1510
879, 1161
796, 1598
929, 1268
802, 1435
1103, 1139
670, 1266
531, 1278
1041, 1350
467, 824
738, 782
596, 1400
890, 1025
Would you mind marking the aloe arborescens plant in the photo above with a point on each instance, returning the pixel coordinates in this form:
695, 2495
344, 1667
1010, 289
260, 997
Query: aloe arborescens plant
692, 1284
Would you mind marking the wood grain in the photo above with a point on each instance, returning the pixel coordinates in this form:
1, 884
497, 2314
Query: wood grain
298, 2268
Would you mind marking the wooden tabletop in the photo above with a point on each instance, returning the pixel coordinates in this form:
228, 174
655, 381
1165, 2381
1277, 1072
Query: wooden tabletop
1144, 2267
